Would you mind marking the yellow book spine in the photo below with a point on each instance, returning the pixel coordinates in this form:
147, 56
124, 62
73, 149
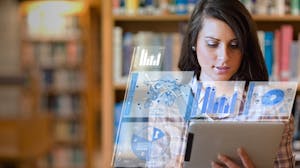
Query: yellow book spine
131, 6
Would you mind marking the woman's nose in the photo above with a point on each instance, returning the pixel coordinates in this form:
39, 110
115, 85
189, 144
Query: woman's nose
223, 53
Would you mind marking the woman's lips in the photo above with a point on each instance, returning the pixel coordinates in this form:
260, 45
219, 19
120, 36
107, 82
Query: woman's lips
221, 69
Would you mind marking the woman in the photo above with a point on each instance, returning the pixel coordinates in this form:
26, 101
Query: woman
221, 44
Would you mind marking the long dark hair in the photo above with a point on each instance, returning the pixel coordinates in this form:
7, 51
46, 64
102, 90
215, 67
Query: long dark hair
237, 17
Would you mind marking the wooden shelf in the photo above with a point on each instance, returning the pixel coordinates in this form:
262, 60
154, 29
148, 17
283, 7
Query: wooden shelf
70, 38
70, 142
25, 138
170, 17
277, 18
73, 117
12, 80
120, 86
59, 91
76, 66
166, 17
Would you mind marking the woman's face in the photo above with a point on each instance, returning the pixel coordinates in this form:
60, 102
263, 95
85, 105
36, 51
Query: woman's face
217, 51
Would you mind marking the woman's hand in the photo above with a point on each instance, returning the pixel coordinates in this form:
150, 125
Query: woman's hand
225, 160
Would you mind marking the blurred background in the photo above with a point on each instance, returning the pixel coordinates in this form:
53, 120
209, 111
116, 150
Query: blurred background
50, 68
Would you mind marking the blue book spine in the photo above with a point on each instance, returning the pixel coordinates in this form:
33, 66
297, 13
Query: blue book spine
127, 52
269, 39
181, 7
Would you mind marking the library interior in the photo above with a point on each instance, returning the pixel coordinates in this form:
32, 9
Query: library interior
64, 66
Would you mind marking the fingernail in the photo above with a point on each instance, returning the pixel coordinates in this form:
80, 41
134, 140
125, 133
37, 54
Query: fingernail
239, 150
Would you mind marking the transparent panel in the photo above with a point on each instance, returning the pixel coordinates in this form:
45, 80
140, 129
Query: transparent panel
216, 100
158, 94
147, 58
269, 100
151, 144
154, 119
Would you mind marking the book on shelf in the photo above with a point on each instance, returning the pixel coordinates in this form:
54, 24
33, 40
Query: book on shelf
68, 131
261, 40
62, 80
152, 7
268, 50
67, 157
63, 105
272, 7
277, 51
117, 54
155, 7
281, 53
294, 60
286, 41
295, 7
52, 54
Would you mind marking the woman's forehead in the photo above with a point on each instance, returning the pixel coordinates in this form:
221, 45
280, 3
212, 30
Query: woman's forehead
212, 27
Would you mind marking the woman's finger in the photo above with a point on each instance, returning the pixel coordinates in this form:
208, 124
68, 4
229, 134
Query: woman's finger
247, 162
227, 161
215, 165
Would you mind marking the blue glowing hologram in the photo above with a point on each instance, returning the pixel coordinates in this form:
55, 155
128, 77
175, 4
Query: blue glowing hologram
217, 99
147, 58
273, 97
155, 114
150, 144
269, 100
159, 94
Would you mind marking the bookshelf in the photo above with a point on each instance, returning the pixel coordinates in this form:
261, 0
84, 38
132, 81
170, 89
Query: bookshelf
59, 54
24, 133
155, 23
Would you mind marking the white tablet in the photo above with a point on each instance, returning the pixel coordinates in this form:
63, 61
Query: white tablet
207, 139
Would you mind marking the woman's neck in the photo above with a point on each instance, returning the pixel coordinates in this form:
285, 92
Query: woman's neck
205, 77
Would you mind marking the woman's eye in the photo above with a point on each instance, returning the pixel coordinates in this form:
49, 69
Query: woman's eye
234, 45
212, 43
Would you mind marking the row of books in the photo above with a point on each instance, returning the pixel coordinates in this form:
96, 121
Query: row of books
62, 79
180, 7
53, 53
153, 7
281, 52
124, 43
71, 131
64, 157
64, 105
37, 25
49, 54
273, 7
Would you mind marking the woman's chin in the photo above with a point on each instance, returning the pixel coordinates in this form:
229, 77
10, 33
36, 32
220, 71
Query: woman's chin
222, 78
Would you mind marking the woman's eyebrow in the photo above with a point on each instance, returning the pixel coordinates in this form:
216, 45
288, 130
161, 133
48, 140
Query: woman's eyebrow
213, 38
